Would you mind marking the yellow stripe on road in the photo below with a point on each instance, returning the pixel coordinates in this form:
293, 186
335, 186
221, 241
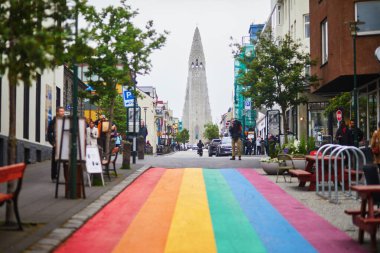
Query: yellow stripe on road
191, 229
149, 230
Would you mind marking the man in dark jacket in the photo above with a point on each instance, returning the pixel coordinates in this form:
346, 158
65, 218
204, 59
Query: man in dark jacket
343, 135
235, 132
51, 134
358, 131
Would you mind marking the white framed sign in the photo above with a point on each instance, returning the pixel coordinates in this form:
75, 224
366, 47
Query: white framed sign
62, 134
93, 163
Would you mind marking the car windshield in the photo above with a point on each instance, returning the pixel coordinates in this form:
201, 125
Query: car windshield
226, 140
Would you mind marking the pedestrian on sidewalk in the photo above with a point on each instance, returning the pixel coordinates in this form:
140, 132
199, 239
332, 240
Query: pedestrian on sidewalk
258, 145
92, 135
235, 132
248, 146
343, 135
51, 135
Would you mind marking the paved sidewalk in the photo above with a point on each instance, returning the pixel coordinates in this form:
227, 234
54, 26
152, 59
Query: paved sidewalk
41, 213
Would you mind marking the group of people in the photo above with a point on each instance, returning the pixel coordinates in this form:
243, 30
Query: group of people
254, 146
346, 135
95, 136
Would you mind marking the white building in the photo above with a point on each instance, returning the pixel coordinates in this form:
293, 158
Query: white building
35, 107
292, 17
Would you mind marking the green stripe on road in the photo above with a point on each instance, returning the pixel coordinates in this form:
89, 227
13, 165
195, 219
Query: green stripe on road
232, 230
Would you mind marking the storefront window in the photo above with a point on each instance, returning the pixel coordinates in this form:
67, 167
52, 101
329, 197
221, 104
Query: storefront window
317, 122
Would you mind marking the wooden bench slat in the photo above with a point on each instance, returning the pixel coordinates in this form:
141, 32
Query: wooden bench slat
12, 172
352, 212
300, 172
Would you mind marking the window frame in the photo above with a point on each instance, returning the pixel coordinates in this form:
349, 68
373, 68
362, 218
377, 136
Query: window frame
359, 33
324, 41
306, 24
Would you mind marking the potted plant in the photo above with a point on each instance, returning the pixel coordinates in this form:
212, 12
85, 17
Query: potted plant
270, 163
298, 150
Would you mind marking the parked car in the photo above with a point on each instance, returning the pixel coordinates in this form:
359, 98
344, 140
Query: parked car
194, 147
212, 146
224, 147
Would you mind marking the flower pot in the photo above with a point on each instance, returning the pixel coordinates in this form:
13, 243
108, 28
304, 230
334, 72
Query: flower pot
299, 163
270, 167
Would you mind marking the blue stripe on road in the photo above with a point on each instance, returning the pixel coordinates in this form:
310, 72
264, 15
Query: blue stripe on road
275, 232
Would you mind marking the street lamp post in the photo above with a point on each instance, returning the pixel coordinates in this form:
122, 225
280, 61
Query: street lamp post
74, 122
354, 30
134, 146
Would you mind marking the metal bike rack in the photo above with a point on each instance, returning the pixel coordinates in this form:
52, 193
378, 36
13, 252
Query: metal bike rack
325, 148
342, 152
348, 150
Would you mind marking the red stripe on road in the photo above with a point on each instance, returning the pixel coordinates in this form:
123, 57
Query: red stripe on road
321, 234
103, 231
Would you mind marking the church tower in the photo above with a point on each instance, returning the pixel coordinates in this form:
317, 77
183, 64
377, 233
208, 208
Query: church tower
196, 111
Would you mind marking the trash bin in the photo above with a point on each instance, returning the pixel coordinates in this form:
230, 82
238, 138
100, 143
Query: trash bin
140, 147
79, 181
126, 155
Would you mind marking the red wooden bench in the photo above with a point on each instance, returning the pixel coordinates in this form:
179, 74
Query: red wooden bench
367, 218
7, 174
302, 175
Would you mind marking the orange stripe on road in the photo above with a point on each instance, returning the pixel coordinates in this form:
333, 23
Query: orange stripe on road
191, 229
149, 230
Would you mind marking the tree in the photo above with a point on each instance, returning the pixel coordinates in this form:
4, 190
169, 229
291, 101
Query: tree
183, 136
341, 101
122, 51
32, 39
120, 115
276, 74
211, 131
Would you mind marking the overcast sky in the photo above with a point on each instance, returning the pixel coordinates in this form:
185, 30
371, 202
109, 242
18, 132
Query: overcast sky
217, 21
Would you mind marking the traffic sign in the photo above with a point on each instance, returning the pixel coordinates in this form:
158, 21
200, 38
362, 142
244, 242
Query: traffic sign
339, 115
247, 105
129, 98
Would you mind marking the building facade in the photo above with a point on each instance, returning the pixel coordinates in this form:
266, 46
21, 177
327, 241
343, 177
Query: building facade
292, 17
35, 108
332, 37
243, 109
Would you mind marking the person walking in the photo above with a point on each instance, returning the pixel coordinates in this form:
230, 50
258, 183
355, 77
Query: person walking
143, 131
375, 145
356, 130
343, 135
103, 127
248, 145
258, 145
235, 133
51, 135
92, 135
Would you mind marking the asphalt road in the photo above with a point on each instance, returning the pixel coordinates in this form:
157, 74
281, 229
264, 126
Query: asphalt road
190, 159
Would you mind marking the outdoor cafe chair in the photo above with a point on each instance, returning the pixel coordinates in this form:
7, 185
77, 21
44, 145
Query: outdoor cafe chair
283, 167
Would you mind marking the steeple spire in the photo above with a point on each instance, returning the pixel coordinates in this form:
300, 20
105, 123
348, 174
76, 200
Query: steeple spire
196, 111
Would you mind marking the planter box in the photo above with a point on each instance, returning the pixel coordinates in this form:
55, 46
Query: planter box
270, 168
299, 163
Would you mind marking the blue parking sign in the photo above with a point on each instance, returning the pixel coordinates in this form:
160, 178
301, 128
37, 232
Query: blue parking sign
129, 98
247, 105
